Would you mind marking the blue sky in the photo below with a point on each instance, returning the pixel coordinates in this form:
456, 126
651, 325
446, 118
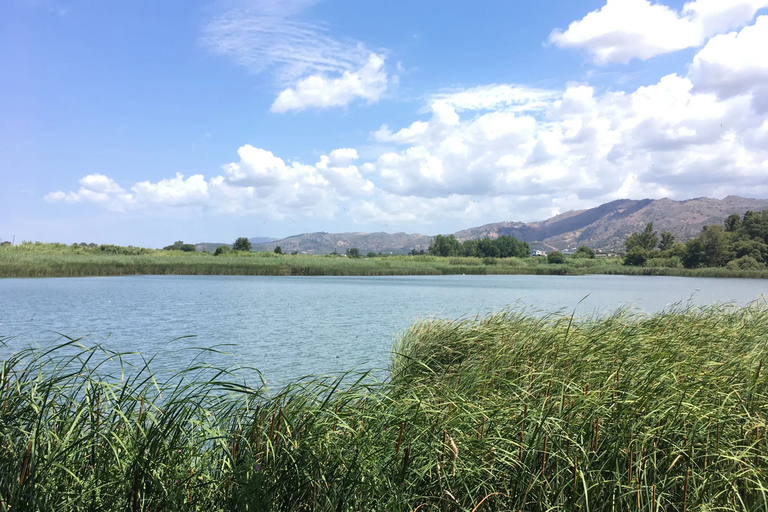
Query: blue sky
148, 122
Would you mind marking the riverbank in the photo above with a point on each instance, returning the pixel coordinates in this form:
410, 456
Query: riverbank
508, 412
48, 260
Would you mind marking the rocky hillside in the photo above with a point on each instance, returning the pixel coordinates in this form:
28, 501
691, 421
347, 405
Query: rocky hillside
607, 226
326, 243
604, 227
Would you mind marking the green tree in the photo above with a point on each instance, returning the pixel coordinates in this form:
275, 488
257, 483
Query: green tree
180, 246
242, 244
745, 263
555, 257
732, 223
278, 250
445, 246
353, 252
636, 257
647, 239
584, 252
667, 240
715, 246
373, 254
222, 249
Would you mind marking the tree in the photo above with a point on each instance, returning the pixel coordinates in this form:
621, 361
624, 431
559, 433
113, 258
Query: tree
180, 246
636, 257
555, 257
443, 245
647, 239
242, 244
715, 246
584, 252
373, 254
222, 249
732, 223
667, 240
353, 252
278, 250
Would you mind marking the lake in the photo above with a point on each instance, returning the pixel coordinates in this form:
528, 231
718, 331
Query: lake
289, 327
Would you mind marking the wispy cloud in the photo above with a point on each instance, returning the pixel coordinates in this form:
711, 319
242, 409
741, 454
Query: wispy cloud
276, 36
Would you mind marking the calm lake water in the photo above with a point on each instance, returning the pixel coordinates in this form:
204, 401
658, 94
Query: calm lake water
289, 327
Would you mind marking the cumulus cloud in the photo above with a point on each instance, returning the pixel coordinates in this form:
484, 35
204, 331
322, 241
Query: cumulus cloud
735, 63
623, 30
368, 83
505, 151
258, 183
681, 137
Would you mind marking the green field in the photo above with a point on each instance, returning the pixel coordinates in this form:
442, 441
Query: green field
57, 260
507, 412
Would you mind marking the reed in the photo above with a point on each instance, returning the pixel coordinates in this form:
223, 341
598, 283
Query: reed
58, 260
505, 412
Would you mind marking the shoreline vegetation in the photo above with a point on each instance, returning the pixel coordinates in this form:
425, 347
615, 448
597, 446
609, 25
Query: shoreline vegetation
506, 412
58, 260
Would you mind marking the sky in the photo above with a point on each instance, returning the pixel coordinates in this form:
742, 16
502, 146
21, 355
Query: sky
143, 122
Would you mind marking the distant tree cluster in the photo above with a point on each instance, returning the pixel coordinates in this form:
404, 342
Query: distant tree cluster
242, 244
180, 246
501, 247
740, 243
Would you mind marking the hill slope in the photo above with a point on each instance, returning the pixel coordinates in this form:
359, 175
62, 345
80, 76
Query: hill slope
604, 227
607, 226
326, 243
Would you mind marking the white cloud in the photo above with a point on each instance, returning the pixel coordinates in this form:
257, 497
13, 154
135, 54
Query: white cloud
273, 34
623, 30
258, 183
734, 63
368, 83
312, 67
98, 189
676, 138
343, 156
497, 96
507, 152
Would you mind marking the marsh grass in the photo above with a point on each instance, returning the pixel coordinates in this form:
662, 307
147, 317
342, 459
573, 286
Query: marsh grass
58, 260
505, 412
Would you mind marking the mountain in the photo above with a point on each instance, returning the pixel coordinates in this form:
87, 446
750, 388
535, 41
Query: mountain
607, 226
604, 227
211, 246
326, 243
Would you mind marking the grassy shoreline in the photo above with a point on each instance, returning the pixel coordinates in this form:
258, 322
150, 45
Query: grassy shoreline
28, 261
507, 412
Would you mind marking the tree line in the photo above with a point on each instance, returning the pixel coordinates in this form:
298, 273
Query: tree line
501, 247
739, 244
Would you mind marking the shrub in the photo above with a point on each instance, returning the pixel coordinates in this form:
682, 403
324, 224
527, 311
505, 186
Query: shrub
636, 257
745, 263
555, 257
222, 249
584, 252
180, 246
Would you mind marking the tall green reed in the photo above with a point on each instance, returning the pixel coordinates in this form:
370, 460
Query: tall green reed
506, 412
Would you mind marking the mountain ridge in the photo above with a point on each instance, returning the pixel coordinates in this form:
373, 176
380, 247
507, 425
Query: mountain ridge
604, 227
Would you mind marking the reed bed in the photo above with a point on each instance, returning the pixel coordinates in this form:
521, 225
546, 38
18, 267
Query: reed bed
57, 260
506, 412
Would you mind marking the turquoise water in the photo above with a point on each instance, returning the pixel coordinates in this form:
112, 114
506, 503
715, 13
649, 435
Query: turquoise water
289, 327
